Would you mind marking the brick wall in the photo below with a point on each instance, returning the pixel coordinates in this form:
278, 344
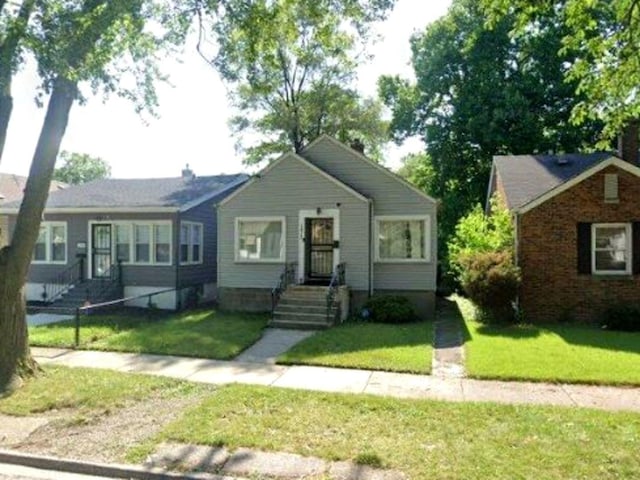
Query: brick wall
552, 289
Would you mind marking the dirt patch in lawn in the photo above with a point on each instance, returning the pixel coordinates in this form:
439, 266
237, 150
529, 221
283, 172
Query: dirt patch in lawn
104, 436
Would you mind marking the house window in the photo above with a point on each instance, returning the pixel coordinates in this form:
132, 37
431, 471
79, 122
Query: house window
402, 239
190, 243
162, 243
143, 243
611, 248
260, 239
51, 245
123, 243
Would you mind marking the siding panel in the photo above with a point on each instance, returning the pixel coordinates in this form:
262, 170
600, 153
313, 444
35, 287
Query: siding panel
287, 188
390, 197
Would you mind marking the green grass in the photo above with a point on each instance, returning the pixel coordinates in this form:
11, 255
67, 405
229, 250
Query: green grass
376, 346
555, 353
86, 389
424, 439
200, 333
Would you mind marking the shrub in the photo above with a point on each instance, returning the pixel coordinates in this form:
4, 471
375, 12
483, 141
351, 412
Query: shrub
391, 309
491, 281
622, 317
477, 232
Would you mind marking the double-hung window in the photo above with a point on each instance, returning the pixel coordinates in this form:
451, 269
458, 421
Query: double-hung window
611, 248
260, 239
51, 245
190, 243
402, 239
143, 243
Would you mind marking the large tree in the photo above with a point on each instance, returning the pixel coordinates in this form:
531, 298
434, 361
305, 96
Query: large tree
290, 66
75, 42
603, 37
14, 19
480, 92
80, 168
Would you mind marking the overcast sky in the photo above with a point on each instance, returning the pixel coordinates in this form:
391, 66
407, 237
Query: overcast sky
192, 127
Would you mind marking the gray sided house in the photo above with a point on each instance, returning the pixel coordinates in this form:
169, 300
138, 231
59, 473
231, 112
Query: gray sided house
316, 214
11, 190
145, 235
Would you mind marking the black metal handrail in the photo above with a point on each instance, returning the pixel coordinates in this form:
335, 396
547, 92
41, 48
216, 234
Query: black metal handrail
63, 281
337, 280
110, 280
287, 277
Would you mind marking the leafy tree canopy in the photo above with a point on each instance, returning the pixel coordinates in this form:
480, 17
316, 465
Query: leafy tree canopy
81, 168
603, 39
479, 93
290, 65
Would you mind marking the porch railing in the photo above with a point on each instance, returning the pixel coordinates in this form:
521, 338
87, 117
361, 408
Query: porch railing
337, 280
62, 282
106, 283
287, 277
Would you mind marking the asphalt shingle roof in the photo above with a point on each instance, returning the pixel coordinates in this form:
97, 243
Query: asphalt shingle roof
12, 187
140, 192
526, 177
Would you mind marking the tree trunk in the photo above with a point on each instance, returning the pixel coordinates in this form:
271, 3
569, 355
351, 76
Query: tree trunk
6, 106
15, 358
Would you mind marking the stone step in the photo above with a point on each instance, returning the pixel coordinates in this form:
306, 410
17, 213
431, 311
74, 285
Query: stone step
300, 302
294, 325
304, 308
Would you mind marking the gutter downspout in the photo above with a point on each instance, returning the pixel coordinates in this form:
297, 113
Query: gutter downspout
176, 251
371, 246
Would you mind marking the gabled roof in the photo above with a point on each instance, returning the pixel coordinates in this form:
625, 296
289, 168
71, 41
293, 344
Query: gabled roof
359, 155
526, 178
306, 163
148, 194
12, 187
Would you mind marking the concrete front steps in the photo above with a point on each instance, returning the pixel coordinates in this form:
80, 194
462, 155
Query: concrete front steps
304, 307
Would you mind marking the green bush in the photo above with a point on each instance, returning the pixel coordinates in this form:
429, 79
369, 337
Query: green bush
391, 309
477, 232
625, 318
491, 281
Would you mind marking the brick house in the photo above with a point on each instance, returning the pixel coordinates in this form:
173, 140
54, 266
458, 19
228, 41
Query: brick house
577, 223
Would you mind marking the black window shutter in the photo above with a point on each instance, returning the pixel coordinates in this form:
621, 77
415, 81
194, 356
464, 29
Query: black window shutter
584, 248
635, 247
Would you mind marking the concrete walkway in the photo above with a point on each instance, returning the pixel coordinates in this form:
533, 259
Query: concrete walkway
35, 319
448, 350
273, 343
349, 380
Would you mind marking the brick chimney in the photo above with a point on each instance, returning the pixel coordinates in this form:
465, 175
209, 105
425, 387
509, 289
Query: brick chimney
187, 173
628, 143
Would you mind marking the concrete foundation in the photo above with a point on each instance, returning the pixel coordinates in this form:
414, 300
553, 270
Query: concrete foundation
259, 300
244, 299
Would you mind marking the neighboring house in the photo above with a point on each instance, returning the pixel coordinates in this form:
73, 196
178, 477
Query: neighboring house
577, 224
327, 206
11, 190
162, 231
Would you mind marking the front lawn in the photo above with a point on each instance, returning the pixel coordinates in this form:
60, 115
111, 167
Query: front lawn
57, 388
556, 352
375, 346
197, 333
424, 439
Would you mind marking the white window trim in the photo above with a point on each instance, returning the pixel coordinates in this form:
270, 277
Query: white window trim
629, 266
190, 244
48, 252
427, 238
283, 240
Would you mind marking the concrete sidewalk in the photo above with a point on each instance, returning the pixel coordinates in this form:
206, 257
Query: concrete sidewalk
340, 380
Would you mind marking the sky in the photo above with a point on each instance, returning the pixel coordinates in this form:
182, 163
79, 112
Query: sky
192, 125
